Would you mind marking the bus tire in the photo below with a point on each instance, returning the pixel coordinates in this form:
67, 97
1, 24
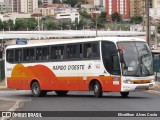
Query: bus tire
61, 92
97, 90
124, 94
36, 90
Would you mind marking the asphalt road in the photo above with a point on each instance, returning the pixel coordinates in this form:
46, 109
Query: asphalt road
85, 101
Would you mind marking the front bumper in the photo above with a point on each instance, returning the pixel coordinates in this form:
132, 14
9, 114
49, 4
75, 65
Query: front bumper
137, 87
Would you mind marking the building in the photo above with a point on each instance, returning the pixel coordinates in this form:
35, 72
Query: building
46, 2
155, 10
6, 6
59, 11
137, 8
13, 16
120, 6
155, 3
24, 6
101, 3
91, 2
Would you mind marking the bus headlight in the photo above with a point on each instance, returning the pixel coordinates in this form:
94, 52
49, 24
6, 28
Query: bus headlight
152, 81
128, 81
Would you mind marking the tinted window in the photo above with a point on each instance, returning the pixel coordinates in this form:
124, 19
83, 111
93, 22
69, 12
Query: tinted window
73, 51
38, 54
91, 50
57, 52
45, 53
10, 55
28, 54
42, 53
18, 55
110, 58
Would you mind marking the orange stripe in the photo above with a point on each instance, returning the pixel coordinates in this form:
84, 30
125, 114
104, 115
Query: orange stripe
65, 83
22, 77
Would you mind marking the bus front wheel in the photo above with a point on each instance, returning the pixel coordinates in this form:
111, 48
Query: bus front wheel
36, 90
61, 92
124, 94
98, 90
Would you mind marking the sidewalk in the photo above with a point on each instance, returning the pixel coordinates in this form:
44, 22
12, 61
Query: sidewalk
3, 85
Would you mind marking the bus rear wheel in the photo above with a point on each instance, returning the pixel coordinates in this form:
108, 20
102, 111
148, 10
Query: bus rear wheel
36, 90
61, 92
97, 90
124, 94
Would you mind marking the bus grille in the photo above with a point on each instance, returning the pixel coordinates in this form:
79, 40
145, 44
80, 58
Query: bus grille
142, 88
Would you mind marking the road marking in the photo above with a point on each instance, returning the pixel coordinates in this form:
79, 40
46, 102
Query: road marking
15, 106
154, 92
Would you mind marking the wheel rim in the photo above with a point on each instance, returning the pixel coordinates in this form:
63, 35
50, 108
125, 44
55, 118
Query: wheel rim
96, 88
36, 89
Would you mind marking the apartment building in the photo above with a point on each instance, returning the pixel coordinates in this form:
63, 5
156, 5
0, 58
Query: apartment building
120, 6
24, 6
5, 6
137, 8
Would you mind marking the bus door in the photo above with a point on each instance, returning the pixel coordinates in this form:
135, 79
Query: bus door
111, 63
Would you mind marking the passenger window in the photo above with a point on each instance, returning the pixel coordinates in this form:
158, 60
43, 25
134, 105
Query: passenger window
39, 54
57, 53
87, 50
42, 53
45, 53
28, 54
91, 50
73, 51
18, 55
10, 55
95, 50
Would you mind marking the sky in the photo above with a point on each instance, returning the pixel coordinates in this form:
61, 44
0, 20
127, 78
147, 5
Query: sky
1, 0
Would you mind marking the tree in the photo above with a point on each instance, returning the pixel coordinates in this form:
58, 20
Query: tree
102, 18
103, 15
116, 17
84, 14
10, 24
71, 2
21, 24
1, 25
136, 19
32, 23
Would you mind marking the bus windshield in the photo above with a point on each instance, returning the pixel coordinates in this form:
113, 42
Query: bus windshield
137, 59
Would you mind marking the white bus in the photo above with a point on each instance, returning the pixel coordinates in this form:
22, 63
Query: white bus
102, 64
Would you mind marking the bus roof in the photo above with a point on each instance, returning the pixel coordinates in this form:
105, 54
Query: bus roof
78, 40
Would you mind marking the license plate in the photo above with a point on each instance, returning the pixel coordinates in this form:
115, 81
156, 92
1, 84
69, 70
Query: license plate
150, 85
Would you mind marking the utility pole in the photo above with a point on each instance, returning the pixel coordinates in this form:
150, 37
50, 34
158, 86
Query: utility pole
148, 31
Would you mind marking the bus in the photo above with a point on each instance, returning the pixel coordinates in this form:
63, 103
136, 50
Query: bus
102, 64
